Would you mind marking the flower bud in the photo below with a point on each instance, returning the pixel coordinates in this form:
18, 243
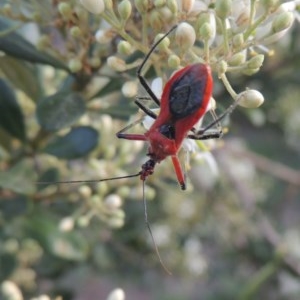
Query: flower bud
116, 294
113, 201
250, 99
166, 15
222, 67
125, 9
117, 219
173, 61
238, 41
283, 21
237, 59
185, 36
108, 4
173, 6
270, 5
223, 8
256, 61
187, 5
65, 10
155, 20
206, 32
93, 6
164, 44
130, 89
124, 48
116, 63
83, 221
95, 62
249, 71
159, 3
123, 191
75, 32
75, 65
142, 6
85, 191
66, 224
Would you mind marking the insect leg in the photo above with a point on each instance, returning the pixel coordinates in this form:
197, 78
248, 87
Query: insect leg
179, 172
228, 111
145, 109
139, 70
206, 136
129, 136
202, 134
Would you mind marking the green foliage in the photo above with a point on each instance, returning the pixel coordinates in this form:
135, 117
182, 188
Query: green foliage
60, 110
15, 45
75, 144
11, 118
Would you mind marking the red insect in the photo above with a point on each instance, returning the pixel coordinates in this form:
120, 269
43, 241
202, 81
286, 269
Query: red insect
184, 101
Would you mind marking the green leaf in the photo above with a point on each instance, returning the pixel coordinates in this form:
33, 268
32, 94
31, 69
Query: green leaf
13, 206
20, 178
8, 263
11, 117
22, 74
15, 45
70, 246
113, 85
66, 245
77, 143
60, 110
50, 175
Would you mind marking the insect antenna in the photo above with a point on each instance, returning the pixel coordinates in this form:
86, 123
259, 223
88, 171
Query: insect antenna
89, 181
151, 234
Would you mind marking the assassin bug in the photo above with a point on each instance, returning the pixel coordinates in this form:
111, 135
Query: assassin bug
184, 101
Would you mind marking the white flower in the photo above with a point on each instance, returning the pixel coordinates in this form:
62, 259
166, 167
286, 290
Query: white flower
157, 87
66, 224
240, 14
148, 121
116, 294
129, 89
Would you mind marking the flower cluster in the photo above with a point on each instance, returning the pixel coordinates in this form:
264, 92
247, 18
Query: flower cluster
233, 34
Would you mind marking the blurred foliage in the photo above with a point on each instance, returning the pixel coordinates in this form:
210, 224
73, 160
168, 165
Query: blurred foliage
231, 236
